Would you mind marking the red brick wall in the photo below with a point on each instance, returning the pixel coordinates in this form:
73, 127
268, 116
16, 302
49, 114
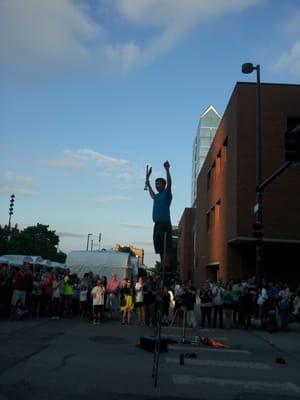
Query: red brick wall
185, 252
234, 186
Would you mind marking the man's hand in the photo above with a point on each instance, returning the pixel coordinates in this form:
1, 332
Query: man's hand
149, 173
166, 164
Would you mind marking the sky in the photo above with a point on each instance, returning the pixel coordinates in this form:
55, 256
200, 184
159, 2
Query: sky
93, 90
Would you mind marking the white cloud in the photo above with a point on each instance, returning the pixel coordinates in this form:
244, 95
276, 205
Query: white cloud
109, 199
98, 158
43, 33
121, 186
135, 226
71, 235
105, 166
290, 61
67, 164
17, 184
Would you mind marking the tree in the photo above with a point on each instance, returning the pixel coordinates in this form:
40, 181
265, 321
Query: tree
7, 236
126, 249
35, 240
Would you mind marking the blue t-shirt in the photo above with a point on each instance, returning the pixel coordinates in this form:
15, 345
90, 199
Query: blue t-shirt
161, 206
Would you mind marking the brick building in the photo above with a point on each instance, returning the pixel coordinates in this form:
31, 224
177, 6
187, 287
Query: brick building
224, 247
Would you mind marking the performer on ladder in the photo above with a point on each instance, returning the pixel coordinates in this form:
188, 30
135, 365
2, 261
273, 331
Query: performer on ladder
161, 215
162, 240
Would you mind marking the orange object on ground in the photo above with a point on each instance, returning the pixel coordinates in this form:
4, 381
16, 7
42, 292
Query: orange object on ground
214, 343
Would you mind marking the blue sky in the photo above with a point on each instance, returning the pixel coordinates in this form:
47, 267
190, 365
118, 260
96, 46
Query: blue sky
92, 91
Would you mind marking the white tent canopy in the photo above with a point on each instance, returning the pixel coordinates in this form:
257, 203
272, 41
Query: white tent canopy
102, 263
17, 259
36, 260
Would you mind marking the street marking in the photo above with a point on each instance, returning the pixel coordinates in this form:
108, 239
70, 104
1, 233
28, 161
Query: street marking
197, 348
218, 363
250, 385
189, 337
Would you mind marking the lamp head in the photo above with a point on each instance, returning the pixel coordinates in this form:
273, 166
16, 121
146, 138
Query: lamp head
247, 68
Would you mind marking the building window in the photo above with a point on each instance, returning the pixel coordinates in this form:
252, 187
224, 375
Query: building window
213, 170
207, 221
208, 179
212, 217
224, 153
218, 163
218, 212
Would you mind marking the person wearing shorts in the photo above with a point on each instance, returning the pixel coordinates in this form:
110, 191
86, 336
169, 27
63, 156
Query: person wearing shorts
97, 294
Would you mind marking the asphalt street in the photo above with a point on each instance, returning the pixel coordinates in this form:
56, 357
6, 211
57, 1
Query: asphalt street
73, 359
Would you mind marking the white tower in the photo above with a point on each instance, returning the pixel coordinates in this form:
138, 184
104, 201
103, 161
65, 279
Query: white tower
207, 127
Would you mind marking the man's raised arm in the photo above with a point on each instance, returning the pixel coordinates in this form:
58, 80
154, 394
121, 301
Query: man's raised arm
169, 179
150, 190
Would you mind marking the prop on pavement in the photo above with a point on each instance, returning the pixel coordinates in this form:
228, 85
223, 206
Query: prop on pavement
213, 342
148, 343
280, 360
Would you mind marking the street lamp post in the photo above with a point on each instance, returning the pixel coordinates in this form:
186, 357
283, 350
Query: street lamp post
88, 240
11, 209
99, 240
248, 68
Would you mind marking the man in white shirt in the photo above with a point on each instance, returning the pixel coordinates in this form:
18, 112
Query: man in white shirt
97, 294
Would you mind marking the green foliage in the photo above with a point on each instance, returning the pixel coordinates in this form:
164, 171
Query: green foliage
35, 240
126, 249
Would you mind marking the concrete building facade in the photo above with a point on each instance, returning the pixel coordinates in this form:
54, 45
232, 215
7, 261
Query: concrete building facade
224, 246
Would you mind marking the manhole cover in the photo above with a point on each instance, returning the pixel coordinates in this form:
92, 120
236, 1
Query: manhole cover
109, 340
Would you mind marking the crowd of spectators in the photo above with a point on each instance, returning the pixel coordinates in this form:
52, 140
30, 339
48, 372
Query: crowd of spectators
34, 292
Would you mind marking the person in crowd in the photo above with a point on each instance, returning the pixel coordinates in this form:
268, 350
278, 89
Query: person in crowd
237, 290
103, 278
296, 306
83, 301
19, 285
57, 294
270, 312
166, 299
20, 311
75, 295
47, 293
149, 302
284, 308
261, 301
97, 294
36, 296
5, 290
126, 302
68, 294
246, 308
218, 304
178, 292
188, 298
228, 300
139, 300
206, 297
113, 291
272, 290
